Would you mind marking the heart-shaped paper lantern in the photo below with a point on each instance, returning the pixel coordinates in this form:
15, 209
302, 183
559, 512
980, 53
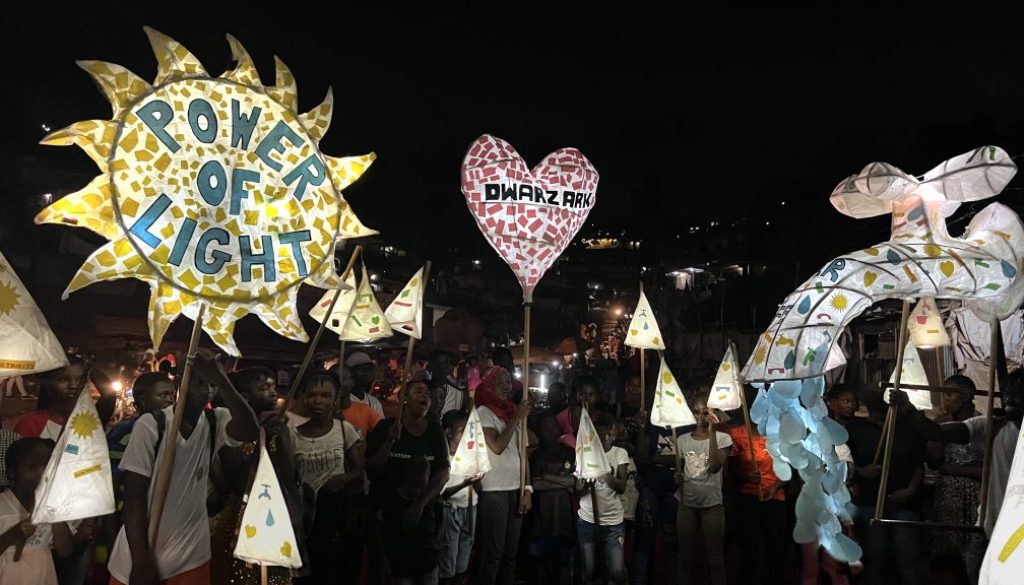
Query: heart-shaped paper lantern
529, 217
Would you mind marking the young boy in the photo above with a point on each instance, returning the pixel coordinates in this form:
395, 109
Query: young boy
606, 490
182, 549
411, 547
455, 536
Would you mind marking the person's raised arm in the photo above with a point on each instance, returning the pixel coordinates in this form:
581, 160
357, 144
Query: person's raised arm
498, 442
951, 432
243, 425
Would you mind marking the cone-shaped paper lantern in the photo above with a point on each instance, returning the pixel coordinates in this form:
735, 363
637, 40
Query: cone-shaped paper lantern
670, 408
643, 329
341, 308
925, 325
591, 460
725, 393
913, 373
77, 483
405, 313
471, 456
366, 321
1004, 558
266, 536
27, 345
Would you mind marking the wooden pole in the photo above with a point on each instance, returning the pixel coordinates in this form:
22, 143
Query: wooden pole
643, 374
263, 574
882, 437
598, 543
407, 372
319, 333
166, 469
750, 432
995, 348
525, 396
675, 449
901, 338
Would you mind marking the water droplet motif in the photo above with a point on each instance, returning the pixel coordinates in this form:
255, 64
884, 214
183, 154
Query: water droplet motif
270, 518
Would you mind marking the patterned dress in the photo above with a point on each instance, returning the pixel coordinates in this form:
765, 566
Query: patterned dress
956, 499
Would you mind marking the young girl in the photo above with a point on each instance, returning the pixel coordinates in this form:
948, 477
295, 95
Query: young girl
26, 461
704, 453
455, 537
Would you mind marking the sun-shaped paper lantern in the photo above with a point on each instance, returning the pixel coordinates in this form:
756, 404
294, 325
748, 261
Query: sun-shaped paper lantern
213, 191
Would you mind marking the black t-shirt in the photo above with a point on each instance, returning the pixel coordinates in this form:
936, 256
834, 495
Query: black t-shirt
412, 552
553, 508
908, 453
431, 445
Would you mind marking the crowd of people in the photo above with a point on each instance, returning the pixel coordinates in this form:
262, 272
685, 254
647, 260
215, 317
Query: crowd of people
366, 479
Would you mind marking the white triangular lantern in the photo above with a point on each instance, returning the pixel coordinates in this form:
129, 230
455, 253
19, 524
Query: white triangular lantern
27, 345
1004, 558
266, 536
405, 313
366, 322
925, 325
725, 392
339, 315
670, 408
471, 455
591, 460
914, 374
643, 328
77, 482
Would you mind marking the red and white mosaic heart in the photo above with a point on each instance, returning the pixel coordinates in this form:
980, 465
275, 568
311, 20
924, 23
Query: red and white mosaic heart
529, 217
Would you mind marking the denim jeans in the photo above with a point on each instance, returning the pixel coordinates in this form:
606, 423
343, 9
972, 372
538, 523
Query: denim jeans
424, 579
656, 512
455, 541
881, 543
613, 539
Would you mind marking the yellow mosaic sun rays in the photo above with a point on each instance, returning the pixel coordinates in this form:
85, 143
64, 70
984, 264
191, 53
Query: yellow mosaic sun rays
213, 190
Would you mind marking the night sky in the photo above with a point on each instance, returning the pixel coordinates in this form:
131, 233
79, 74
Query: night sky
689, 117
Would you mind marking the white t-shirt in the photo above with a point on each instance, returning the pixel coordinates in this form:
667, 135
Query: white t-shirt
295, 420
184, 539
609, 503
371, 401
504, 473
1003, 447
701, 488
631, 496
317, 460
36, 563
459, 499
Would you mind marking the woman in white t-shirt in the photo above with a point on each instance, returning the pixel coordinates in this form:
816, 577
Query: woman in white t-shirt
330, 465
704, 452
501, 506
607, 491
